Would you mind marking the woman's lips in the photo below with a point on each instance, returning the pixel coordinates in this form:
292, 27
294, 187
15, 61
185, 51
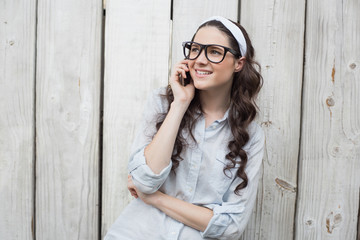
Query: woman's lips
202, 73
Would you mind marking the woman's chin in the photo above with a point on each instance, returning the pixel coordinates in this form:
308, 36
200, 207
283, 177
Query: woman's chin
200, 85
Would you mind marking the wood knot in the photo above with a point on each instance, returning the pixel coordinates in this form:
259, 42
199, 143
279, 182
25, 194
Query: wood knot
266, 124
285, 185
333, 221
330, 101
309, 222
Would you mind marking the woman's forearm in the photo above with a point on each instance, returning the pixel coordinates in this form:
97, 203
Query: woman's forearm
189, 214
158, 152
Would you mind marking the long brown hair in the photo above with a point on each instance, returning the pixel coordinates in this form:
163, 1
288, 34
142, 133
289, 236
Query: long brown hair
242, 111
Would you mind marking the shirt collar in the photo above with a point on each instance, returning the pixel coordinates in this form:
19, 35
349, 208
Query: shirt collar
225, 117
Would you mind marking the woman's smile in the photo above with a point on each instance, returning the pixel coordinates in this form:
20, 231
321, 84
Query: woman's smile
202, 73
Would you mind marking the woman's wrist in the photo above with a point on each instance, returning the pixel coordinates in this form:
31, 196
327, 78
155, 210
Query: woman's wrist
181, 106
154, 199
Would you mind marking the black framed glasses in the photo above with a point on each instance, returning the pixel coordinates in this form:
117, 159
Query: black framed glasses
214, 53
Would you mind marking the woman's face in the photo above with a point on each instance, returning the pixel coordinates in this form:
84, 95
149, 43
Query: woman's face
213, 76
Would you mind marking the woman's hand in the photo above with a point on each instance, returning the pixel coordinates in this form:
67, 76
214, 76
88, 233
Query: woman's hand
131, 187
183, 94
146, 198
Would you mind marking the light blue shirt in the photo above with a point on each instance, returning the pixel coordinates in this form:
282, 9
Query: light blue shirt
199, 179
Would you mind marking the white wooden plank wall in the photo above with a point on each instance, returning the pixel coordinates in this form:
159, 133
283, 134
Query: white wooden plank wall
67, 119
329, 170
277, 32
17, 81
136, 62
314, 195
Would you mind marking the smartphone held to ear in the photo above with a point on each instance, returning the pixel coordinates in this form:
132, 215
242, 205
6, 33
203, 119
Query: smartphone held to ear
185, 81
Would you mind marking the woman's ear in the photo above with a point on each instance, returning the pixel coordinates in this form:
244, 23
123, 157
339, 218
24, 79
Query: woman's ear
239, 63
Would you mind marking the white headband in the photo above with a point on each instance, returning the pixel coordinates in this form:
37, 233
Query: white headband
235, 31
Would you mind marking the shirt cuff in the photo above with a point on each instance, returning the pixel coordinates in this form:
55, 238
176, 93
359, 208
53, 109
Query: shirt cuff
144, 179
221, 220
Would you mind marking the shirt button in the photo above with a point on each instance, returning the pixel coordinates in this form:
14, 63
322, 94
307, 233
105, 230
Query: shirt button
190, 189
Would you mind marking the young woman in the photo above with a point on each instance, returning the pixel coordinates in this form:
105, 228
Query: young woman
196, 159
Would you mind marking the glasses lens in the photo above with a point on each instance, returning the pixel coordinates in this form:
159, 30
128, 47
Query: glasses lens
191, 50
215, 53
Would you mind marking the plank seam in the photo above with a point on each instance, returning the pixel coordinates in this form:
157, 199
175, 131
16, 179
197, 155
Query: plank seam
300, 130
171, 9
101, 117
239, 12
358, 224
33, 222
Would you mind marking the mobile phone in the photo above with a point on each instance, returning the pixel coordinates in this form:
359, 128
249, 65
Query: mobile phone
185, 81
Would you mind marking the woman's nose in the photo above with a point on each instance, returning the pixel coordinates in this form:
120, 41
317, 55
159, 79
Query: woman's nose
202, 58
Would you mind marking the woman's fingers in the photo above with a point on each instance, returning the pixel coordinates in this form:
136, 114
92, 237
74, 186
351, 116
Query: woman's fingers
133, 193
180, 69
183, 74
131, 187
181, 93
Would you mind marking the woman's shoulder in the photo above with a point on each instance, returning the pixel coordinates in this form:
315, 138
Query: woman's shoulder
157, 98
256, 134
254, 128
160, 91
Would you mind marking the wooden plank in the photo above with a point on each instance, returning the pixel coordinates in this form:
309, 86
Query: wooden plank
329, 182
17, 81
136, 61
67, 119
189, 14
277, 32
358, 227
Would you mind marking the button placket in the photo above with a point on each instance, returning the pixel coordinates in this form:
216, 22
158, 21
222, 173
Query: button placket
196, 159
174, 230
193, 173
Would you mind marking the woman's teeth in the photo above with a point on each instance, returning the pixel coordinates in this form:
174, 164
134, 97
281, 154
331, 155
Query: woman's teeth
203, 73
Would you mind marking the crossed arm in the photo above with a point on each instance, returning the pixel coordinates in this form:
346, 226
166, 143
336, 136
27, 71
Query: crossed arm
189, 214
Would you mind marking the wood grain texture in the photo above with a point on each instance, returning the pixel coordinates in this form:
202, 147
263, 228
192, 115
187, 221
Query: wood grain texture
329, 182
136, 62
67, 119
189, 14
141, 43
276, 29
17, 81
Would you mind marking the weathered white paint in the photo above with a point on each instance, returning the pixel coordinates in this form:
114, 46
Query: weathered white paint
277, 32
68, 96
136, 61
17, 81
67, 119
329, 170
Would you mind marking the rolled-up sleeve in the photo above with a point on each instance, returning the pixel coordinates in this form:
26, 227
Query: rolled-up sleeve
230, 217
143, 177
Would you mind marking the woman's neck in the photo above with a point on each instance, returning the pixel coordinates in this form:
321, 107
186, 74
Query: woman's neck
215, 103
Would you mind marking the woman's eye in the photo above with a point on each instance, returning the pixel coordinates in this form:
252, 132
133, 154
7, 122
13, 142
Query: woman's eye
215, 52
194, 49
